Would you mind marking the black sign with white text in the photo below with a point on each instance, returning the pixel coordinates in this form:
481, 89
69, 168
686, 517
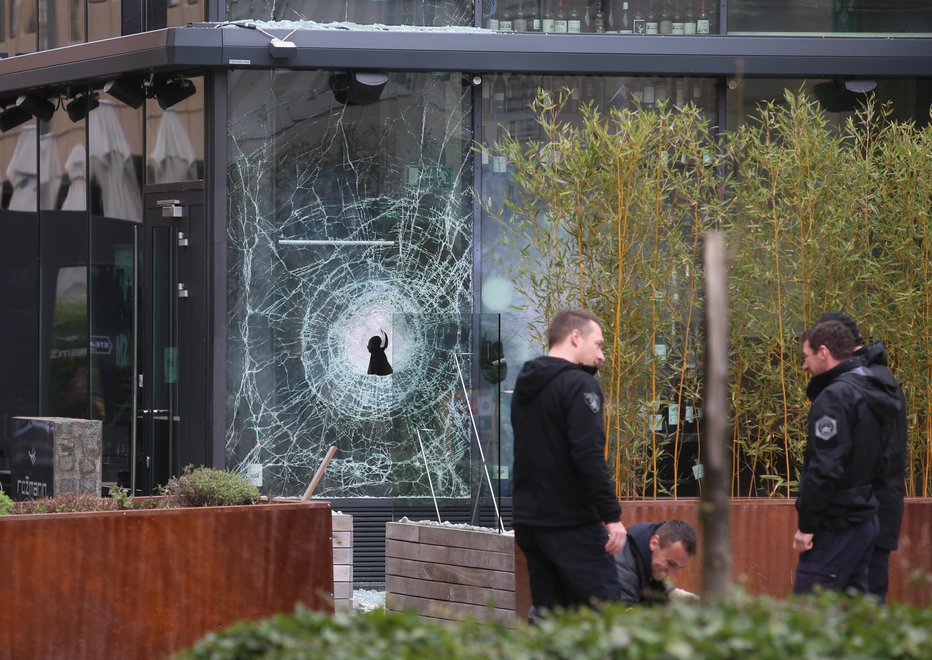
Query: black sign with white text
32, 464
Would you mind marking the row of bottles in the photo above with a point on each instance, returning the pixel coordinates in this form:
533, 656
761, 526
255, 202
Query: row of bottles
506, 94
673, 17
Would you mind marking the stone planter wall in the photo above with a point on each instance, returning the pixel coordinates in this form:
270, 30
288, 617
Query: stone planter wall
448, 573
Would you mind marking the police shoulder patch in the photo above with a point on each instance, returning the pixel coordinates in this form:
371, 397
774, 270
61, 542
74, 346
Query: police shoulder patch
592, 400
826, 427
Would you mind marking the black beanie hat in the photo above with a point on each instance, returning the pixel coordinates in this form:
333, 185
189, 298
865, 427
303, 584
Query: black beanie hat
846, 321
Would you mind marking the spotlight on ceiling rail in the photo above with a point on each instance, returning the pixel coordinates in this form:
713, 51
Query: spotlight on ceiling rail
12, 117
169, 91
844, 95
79, 107
37, 106
357, 87
128, 90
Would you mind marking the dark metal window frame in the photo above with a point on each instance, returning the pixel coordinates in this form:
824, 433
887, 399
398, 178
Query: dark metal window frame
205, 46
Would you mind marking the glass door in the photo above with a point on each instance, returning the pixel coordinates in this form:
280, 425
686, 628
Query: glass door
164, 326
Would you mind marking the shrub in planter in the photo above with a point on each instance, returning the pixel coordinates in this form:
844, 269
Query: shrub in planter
6, 504
828, 625
208, 487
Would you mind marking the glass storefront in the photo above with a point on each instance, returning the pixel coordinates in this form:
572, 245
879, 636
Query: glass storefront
350, 277
359, 229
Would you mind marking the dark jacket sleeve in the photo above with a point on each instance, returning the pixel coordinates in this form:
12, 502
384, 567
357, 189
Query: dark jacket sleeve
586, 436
827, 450
626, 567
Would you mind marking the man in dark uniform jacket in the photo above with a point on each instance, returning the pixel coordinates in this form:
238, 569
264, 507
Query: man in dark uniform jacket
567, 518
851, 415
653, 551
891, 488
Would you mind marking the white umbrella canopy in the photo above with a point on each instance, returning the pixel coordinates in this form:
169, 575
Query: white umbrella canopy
76, 199
22, 174
173, 158
112, 164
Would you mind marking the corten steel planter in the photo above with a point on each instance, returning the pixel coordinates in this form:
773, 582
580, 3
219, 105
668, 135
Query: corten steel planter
147, 583
763, 560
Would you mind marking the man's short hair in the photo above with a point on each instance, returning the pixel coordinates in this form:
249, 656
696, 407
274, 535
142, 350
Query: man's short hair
846, 321
567, 320
833, 335
678, 530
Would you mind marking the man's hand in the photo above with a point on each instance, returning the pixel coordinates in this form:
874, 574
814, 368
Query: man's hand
617, 534
802, 542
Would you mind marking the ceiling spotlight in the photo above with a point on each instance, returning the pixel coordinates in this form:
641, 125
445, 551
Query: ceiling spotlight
844, 95
78, 108
357, 87
37, 106
169, 91
13, 117
280, 48
130, 91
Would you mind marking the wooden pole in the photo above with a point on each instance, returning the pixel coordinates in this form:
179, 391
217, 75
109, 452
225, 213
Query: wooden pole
311, 487
716, 465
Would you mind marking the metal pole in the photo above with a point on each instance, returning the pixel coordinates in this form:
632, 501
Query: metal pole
716, 563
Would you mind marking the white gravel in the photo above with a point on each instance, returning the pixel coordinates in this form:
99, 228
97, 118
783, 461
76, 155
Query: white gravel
366, 600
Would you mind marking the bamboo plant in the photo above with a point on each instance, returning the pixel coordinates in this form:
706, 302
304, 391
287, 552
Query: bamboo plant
608, 213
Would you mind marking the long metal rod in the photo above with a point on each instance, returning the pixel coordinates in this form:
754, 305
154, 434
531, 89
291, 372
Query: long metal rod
300, 241
475, 429
427, 470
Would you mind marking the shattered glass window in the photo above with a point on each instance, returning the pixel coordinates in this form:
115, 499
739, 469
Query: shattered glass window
437, 13
350, 275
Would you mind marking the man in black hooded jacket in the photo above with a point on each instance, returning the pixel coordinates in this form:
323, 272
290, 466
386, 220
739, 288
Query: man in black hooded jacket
852, 414
891, 488
567, 518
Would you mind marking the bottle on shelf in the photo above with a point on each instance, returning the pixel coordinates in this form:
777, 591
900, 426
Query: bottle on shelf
499, 160
519, 22
504, 23
598, 21
533, 17
678, 26
647, 94
559, 19
651, 25
639, 24
666, 20
702, 19
689, 19
547, 20
624, 21
491, 21
574, 22
498, 95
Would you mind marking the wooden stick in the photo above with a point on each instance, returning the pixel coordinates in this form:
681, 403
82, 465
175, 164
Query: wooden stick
311, 487
716, 556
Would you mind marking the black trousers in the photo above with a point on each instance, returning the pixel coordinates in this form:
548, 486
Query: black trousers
878, 581
568, 566
839, 559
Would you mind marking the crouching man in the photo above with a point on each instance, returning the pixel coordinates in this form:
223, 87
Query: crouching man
653, 552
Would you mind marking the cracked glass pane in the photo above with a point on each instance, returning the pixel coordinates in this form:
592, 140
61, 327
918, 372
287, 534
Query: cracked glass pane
350, 277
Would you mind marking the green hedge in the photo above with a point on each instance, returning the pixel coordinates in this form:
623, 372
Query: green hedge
826, 626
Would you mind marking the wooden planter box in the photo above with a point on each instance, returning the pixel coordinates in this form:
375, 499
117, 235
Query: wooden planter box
449, 573
144, 584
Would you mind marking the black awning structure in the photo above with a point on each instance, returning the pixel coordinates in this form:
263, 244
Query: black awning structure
205, 46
